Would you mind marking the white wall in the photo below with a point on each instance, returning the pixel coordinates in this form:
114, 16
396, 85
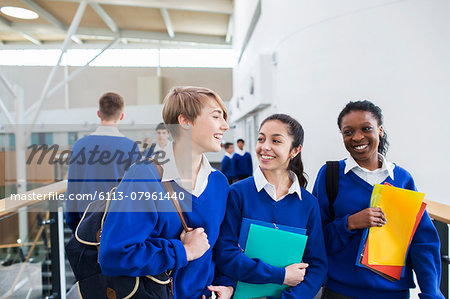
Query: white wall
394, 53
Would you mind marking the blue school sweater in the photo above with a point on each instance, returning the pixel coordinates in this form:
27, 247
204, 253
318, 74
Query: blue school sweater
148, 243
242, 164
96, 163
344, 277
227, 167
245, 201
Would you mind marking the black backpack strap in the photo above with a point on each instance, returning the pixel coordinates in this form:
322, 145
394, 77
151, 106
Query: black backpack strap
332, 183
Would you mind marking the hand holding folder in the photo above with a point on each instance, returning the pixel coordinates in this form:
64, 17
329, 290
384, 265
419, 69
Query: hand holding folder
390, 272
273, 246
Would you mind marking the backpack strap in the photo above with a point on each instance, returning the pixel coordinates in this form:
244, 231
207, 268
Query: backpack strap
176, 203
173, 197
332, 183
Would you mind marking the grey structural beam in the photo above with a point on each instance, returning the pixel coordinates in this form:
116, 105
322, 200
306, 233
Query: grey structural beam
49, 17
155, 36
8, 25
105, 17
79, 70
6, 112
103, 33
132, 43
72, 29
30, 38
5, 23
72, 76
10, 89
167, 21
229, 30
212, 6
7, 84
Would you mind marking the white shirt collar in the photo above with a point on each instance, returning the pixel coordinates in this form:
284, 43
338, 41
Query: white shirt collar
170, 168
376, 176
240, 152
107, 131
171, 174
386, 166
228, 155
262, 183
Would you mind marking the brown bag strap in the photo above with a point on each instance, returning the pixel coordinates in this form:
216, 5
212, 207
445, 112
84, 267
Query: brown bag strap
173, 196
176, 203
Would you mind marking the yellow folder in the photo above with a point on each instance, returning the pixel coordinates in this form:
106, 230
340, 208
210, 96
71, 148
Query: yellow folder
388, 245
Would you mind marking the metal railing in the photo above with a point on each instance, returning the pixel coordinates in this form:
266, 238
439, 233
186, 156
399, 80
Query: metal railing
33, 267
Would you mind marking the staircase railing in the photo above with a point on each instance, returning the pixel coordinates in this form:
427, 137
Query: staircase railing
35, 264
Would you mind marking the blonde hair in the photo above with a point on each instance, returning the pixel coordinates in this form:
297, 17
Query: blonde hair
187, 101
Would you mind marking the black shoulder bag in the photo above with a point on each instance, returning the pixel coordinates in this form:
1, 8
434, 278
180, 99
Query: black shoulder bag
82, 251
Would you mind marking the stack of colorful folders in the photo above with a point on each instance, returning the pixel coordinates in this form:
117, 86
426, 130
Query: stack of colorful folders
384, 249
277, 245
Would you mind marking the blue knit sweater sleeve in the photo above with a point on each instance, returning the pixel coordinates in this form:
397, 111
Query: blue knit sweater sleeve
425, 258
230, 259
335, 231
424, 253
221, 279
130, 243
315, 256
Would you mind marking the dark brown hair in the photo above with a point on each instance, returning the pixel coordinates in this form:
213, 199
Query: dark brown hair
110, 106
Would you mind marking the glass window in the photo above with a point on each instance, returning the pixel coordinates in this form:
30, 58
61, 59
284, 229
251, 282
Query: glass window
42, 138
12, 140
72, 136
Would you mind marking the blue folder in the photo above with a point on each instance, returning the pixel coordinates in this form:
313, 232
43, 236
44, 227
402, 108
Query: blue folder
245, 227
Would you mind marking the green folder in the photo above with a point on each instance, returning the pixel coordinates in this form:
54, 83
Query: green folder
276, 247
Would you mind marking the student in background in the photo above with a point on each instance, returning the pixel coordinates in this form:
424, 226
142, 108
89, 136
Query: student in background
364, 137
163, 144
162, 135
153, 242
90, 173
275, 193
242, 162
227, 165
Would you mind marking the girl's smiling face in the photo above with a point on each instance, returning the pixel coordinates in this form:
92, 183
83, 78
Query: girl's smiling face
274, 148
208, 128
361, 135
